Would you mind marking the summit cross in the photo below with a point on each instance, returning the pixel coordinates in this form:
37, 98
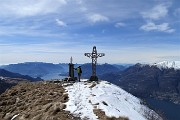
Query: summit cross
94, 55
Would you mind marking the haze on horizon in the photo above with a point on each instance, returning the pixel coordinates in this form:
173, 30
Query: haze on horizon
126, 31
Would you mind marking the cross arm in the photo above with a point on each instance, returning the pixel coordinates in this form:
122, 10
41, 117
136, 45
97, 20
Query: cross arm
88, 55
100, 54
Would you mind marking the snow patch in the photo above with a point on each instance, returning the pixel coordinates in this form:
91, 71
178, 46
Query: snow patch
2, 78
114, 101
13, 118
168, 64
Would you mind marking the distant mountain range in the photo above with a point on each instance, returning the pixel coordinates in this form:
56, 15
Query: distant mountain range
101, 69
157, 81
52, 71
34, 69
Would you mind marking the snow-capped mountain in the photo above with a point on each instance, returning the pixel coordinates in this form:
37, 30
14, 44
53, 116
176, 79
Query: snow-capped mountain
86, 97
168, 64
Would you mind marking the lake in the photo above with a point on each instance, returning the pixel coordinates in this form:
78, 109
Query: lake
53, 76
170, 110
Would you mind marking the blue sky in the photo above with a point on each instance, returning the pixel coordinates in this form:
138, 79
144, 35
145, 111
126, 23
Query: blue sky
127, 31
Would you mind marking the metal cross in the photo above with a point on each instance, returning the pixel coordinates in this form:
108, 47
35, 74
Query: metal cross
94, 55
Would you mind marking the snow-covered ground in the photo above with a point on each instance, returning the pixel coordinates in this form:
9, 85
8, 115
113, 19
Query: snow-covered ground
111, 99
168, 64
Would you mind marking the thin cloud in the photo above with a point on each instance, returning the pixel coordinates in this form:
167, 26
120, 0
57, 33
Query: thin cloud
169, 57
119, 24
156, 12
18, 31
23, 8
164, 27
61, 23
98, 18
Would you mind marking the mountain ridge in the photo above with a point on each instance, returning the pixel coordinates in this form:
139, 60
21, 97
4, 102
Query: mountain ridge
92, 100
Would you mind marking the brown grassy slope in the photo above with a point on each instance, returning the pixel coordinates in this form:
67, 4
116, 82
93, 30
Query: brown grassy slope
35, 101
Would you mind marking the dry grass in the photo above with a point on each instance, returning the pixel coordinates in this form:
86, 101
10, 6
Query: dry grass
37, 101
101, 116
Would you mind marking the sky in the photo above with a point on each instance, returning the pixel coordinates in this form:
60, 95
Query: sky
127, 31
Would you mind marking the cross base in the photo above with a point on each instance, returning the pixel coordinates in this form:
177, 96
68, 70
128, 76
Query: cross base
93, 78
70, 79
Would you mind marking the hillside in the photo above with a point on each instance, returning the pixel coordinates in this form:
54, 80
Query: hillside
149, 81
71, 101
7, 82
34, 101
9, 79
5, 73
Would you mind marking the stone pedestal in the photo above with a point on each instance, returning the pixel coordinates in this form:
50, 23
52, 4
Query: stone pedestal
93, 78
